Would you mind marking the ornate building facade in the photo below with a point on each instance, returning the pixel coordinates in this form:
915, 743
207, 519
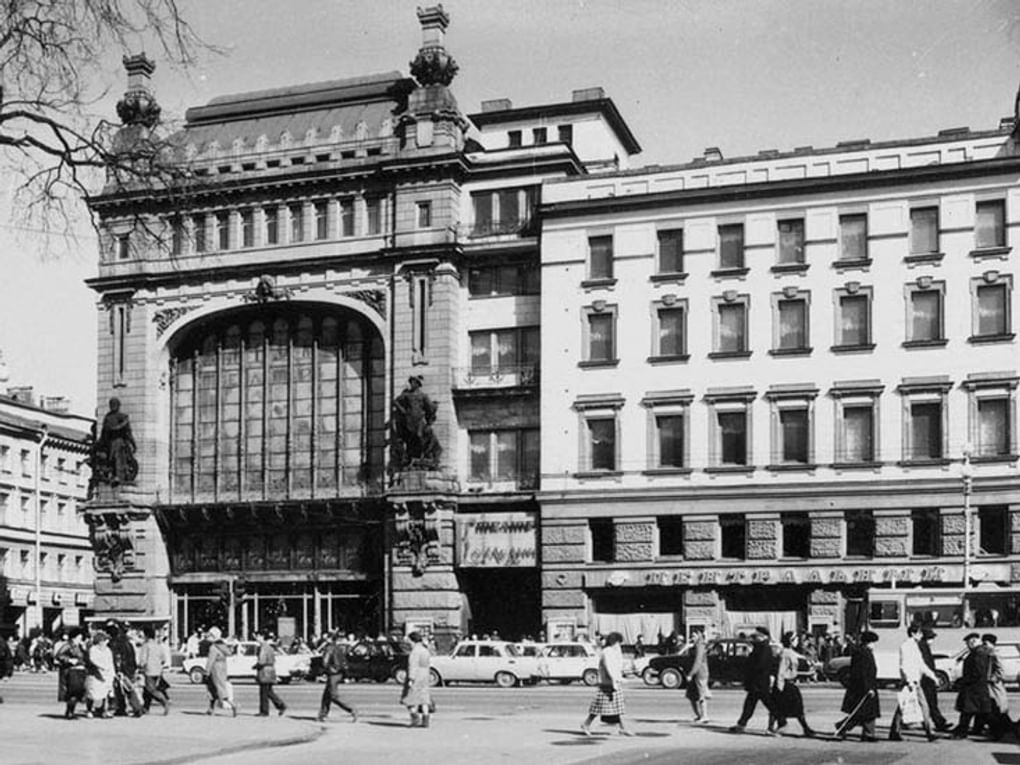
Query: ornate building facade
325, 337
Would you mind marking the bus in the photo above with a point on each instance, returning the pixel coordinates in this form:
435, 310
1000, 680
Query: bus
950, 612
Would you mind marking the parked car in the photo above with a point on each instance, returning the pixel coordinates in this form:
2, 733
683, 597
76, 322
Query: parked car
952, 666
726, 660
378, 660
484, 661
567, 662
241, 664
634, 665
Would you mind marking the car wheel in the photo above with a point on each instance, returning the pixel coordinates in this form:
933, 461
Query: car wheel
942, 681
843, 676
671, 678
197, 676
650, 677
590, 676
505, 680
434, 678
400, 675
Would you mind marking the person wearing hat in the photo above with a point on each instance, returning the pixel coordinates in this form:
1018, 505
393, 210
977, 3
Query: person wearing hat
334, 663
860, 702
998, 719
757, 680
973, 700
912, 669
216, 677
265, 676
930, 687
99, 683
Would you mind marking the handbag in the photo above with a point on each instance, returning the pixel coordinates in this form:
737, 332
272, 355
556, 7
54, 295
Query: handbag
910, 707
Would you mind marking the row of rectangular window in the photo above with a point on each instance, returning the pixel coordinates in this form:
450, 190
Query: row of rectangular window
989, 233
62, 470
295, 223
540, 136
992, 427
991, 320
794, 537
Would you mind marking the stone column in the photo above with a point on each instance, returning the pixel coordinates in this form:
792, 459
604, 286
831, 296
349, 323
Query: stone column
563, 555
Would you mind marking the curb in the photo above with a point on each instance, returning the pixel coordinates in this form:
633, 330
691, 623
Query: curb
239, 748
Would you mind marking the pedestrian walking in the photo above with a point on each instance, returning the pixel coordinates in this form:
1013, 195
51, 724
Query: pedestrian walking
99, 681
335, 665
973, 700
786, 696
153, 661
998, 718
216, 679
929, 685
860, 702
417, 695
697, 679
608, 702
912, 669
71, 660
6, 661
757, 680
265, 676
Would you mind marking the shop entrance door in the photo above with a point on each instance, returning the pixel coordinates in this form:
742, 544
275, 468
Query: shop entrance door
505, 601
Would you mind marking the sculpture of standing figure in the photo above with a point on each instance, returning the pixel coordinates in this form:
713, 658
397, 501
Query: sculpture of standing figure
113, 458
413, 415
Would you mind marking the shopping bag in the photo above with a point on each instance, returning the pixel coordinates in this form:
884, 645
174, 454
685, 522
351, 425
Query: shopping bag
910, 707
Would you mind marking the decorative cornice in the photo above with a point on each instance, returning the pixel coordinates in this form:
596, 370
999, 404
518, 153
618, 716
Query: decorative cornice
167, 316
374, 299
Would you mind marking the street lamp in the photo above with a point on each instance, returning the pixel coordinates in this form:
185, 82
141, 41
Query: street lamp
967, 473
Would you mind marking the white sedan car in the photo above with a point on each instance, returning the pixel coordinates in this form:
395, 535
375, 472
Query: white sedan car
484, 661
566, 662
241, 664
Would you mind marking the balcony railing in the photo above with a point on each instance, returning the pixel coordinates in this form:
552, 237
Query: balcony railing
501, 227
478, 378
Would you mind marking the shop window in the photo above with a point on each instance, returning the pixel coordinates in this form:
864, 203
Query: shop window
853, 318
272, 220
790, 334
796, 529
791, 242
731, 247
600, 258
925, 323
602, 540
993, 529
671, 535
600, 335
993, 609
731, 325
924, 230
853, 238
992, 309
860, 534
990, 224
925, 526
733, 536
671, 250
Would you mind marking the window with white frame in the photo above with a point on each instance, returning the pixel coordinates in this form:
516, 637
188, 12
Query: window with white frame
26, 462
247, 228
505, 456
223, 230
321, 211
668, 429
790, 249
599, 443
671, 250
853, 237
990, 224
856, 414
271, 216
26, 511
853, 317
925, 320
790, 321
503, 211
62, 469
44, 467
297, 222
730, 428
346, 217
730, 317
924, 230
504, 352
373, 216
5, 459
992, 312
792, 415
992, 414
925, 418
731, 247
670, 322
5, 505
599, 341
201, 232
600, 257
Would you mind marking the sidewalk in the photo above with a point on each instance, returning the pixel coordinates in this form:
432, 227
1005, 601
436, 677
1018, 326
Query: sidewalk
33, 735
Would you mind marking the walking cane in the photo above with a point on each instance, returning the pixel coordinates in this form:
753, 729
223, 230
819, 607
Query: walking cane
843, 726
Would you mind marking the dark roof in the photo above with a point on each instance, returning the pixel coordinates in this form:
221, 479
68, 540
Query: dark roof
605, 106
24, 421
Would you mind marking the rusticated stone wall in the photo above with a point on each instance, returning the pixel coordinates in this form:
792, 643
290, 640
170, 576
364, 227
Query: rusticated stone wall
762, 536
826, 537
892, 535
953, 527
699, 540
633, 542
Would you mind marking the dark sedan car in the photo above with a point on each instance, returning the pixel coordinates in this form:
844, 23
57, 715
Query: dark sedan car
378, 660
726, 660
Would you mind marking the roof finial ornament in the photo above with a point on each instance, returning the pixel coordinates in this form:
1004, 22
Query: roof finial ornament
138, 106
433, 65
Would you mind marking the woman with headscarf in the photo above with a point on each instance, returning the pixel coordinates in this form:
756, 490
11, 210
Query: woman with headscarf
71, 660
216, 680
785, 693
99, 684
608, 701
417, 696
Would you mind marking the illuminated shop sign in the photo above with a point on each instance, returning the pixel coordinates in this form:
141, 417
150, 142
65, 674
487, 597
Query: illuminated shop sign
497, 540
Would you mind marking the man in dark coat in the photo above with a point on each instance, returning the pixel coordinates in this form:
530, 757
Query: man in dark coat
973, 702
860, 702
265, 676
758, 679
334, 662
928, 686
6, 661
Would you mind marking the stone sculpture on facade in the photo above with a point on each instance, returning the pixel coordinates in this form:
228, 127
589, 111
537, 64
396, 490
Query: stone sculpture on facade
415, 444
113, 453
112, 545
417, 536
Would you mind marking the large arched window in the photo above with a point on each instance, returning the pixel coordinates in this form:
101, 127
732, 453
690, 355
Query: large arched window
276, 403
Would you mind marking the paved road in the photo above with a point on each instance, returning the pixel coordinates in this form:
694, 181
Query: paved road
473, 725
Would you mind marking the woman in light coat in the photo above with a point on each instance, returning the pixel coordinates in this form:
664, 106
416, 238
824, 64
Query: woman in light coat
417, 696
216, 673
785, 694
697, 679
99, 684
608, 701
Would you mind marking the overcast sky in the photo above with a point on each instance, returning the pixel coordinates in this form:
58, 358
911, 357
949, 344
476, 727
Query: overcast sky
742, 75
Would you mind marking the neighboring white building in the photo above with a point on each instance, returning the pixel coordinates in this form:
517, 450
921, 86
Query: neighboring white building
45, 558
760, 377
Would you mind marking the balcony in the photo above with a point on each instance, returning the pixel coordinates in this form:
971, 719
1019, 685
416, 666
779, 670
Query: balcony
503, 227
519, 378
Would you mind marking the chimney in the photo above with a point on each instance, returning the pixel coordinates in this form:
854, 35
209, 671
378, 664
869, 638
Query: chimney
713, 154
497, 105
588, 94
23, 394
